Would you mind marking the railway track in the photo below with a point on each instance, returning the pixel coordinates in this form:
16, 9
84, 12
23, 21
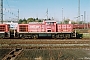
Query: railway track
13, 54
19, 44
44, 43
47, 47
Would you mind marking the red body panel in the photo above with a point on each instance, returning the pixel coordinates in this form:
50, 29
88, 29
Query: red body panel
41, 28
22, 28
88, 25
34, 27
64, 28
45, 27
4, 28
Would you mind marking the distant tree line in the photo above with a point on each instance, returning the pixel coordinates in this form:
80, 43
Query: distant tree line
25, 21
65, 21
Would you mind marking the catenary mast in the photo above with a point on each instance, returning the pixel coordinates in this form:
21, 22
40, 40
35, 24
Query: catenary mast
78, 10
1, 11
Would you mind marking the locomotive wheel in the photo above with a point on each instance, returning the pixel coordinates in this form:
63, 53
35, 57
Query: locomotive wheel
61, 36
22, 37
57, 36
53, 36
1, 37
35, 36
67, 36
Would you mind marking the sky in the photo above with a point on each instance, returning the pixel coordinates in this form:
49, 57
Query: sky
38, 8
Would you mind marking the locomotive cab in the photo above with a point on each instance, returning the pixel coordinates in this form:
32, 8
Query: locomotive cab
50, 26
50, 29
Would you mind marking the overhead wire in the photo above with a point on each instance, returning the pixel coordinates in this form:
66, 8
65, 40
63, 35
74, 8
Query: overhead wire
9, 11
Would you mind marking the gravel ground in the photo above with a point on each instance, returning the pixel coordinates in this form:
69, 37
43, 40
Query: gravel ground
55, 54
4, 52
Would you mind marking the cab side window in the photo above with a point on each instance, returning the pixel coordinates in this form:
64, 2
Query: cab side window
50, 23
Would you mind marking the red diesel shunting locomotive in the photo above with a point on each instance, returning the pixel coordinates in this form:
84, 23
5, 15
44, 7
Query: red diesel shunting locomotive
39, 29
36, 29
46, 28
